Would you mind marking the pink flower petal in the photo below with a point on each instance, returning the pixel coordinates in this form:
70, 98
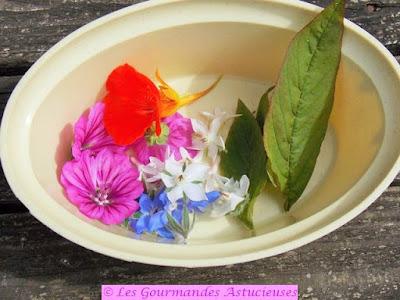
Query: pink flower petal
91, 135
104, 187
180, 135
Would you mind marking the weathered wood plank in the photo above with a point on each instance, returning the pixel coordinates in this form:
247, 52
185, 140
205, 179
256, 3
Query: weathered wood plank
381, 18
8, 202
7, 84
359, 261
28, 29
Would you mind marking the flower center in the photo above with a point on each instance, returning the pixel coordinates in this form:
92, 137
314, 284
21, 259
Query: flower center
101, 197
153, 139
85, 146
224, 196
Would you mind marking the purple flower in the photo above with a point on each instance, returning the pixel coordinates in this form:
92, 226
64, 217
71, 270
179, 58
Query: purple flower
104, 187
177, 131
90, 134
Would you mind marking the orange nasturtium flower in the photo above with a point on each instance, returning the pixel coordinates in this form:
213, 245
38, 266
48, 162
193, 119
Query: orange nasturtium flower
133, 103
171, 101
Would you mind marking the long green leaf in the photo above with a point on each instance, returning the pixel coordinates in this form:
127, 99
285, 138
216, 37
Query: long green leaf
245, 155
263, 107
302, 102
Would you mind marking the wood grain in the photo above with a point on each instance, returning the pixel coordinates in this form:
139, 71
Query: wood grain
358, 261
8, 202
361, 260
30, 28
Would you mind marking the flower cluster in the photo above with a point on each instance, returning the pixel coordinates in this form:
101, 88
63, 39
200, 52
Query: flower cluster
101, 180
155, 177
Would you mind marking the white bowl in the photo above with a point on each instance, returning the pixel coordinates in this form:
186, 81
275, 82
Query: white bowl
191, 42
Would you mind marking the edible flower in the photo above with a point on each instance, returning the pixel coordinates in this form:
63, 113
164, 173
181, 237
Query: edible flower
171, 101
90, 134
152, 171
176, 133
232, 193
200, 206
103, 187
207, 137
134, 104
184, 178
153, 215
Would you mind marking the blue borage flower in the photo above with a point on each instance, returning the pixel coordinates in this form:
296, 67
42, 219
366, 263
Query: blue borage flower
200, 206
153, 214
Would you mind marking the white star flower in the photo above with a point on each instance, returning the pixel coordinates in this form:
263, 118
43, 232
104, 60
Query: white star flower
207, 137
184, 178
232, 193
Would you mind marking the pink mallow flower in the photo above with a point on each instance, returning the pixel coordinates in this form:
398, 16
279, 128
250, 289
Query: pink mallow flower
104, 187
176, 132
90, 134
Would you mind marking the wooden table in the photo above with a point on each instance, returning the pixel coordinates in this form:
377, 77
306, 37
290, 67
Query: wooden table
361, 260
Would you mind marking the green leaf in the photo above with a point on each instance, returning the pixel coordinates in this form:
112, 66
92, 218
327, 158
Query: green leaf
302, 102
126, 223
245, 155
263, 107
137, 215
244, 212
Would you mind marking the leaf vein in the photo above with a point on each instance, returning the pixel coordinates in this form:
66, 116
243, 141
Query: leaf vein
301, 99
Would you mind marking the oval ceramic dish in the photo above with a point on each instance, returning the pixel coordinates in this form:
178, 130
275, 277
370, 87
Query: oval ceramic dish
191, 42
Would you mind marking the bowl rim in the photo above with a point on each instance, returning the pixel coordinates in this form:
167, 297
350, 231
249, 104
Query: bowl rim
187, 262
